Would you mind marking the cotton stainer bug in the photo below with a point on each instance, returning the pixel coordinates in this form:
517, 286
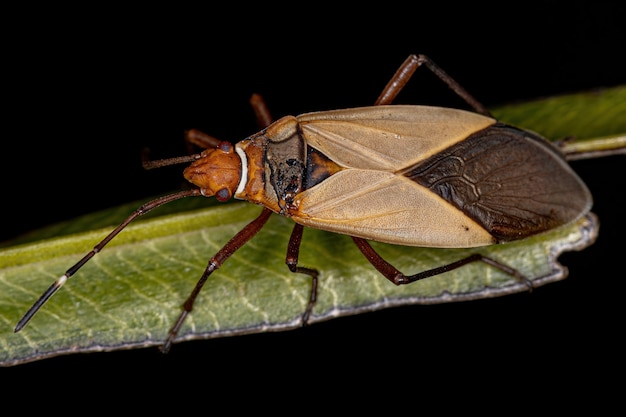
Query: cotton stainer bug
406, 175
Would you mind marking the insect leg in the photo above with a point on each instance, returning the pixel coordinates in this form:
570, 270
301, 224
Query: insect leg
406, 70
261, 111
235, 243
196, 137
264, 118
293, 250
201, 139
392, 274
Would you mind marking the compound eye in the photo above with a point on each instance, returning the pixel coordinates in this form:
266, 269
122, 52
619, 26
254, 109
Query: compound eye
223, 195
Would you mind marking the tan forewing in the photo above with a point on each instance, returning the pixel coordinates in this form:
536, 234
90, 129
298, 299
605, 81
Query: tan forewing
388, 138
388, 208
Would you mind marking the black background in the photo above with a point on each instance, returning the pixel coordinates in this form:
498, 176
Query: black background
84, 95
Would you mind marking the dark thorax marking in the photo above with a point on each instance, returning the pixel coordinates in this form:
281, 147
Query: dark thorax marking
286, 160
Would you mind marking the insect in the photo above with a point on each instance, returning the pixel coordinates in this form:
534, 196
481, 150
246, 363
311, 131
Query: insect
401, 174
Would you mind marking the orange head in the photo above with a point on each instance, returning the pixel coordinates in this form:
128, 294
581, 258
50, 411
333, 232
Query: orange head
217, 172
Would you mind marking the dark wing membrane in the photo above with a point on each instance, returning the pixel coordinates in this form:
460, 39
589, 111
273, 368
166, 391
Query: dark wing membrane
510, 181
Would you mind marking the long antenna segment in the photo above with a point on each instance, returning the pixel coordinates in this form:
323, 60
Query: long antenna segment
56, 285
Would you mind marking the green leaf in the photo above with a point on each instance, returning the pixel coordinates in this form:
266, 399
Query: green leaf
130, 294
591, 123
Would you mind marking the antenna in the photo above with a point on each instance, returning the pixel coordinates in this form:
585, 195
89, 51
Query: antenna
56, 285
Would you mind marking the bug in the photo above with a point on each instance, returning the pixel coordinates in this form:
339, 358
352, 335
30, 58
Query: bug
400, 174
